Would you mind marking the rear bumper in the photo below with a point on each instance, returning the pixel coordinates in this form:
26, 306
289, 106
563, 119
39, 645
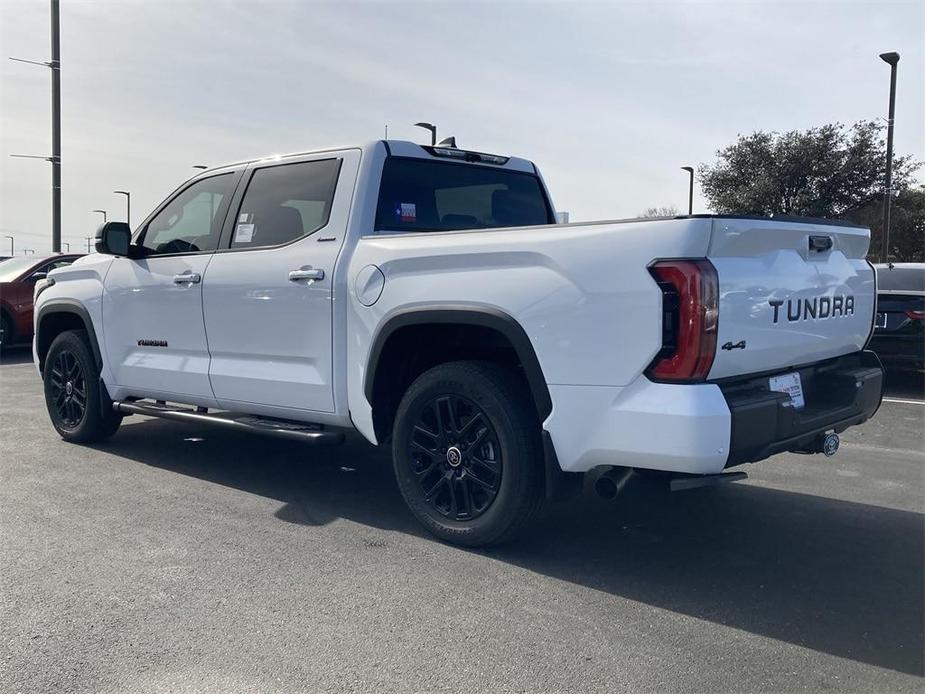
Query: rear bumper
704, 428
839, 393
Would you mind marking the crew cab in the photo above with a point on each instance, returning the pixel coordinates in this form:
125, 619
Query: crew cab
425, 297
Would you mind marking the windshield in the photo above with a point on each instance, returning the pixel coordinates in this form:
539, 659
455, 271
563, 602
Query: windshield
14, 267
423, 195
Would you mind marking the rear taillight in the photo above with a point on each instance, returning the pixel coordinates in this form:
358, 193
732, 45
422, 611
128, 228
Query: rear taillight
915, 315
690, 319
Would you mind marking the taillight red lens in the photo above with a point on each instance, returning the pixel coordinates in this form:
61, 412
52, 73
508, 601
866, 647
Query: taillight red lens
915, 315
694, 315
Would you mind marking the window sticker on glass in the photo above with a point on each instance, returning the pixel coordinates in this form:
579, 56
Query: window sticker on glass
407, 212
244, 217
244, 233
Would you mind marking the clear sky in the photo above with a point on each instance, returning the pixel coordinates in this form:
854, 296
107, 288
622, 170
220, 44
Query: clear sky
609, 99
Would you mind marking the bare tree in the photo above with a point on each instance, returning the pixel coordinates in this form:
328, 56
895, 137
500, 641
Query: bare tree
664, 211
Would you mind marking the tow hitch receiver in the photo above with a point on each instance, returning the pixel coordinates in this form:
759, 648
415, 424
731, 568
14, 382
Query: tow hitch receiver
682, 484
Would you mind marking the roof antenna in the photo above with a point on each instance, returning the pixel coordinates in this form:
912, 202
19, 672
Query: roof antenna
447, 142
433, 131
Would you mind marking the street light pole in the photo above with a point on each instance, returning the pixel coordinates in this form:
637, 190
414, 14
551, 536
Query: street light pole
12, 252
88, 239
102, 212
690, 192
128, 205
891, 59
55, 127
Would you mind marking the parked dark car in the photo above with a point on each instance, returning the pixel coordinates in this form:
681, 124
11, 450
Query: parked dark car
899, 326
17, 283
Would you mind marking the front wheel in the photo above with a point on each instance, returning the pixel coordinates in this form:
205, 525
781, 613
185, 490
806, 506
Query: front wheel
467, 453
72, 391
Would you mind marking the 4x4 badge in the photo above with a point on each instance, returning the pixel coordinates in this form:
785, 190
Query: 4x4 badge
729, 346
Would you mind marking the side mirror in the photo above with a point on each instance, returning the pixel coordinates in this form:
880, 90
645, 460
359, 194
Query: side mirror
114, 238
36, 276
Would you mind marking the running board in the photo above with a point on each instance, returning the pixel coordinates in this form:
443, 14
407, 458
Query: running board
681, 484
284, 429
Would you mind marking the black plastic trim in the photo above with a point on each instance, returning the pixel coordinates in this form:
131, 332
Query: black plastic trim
848, 390
466, 315
560, 485
73, 307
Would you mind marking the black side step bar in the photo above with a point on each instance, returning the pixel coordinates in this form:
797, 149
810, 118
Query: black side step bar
681, 484
295, 431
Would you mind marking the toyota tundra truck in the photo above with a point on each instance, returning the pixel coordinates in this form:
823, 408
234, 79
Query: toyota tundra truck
425, 297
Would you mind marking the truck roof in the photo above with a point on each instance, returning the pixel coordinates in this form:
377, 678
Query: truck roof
404, 148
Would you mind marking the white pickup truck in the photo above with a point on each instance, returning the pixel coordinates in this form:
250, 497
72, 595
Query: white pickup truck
425, 297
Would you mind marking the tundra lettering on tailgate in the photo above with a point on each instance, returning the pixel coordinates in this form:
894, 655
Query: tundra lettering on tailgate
817, 308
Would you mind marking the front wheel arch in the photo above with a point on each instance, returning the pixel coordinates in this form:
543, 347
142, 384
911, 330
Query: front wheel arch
58, 316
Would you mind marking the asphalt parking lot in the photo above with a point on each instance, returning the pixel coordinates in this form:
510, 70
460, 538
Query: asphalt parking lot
178, 559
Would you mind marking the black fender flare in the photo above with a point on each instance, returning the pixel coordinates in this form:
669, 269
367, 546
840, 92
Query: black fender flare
75, 308
483, 316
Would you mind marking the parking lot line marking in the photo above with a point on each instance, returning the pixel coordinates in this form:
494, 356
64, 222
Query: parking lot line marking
905, 402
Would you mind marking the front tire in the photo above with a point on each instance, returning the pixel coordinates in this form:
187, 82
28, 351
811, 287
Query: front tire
72, 391
467, 453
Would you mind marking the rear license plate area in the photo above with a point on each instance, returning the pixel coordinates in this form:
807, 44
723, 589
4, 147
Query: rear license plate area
792, 385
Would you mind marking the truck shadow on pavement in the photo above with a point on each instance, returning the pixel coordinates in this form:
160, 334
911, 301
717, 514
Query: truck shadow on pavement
837, 577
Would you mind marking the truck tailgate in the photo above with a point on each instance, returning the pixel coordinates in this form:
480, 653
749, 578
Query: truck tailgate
790, 293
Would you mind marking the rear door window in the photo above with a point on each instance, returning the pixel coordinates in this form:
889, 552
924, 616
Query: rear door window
423, 195
285, 202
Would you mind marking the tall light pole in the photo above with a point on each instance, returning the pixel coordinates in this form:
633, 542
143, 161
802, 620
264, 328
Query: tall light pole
690, 192
433, 131
55, 65
12, 252
55, 127
891, 59
102, 212
88, 239
128, 205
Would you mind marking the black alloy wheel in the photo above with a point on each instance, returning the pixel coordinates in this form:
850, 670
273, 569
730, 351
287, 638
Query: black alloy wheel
68, 389
467, 452
456, 457
78, 404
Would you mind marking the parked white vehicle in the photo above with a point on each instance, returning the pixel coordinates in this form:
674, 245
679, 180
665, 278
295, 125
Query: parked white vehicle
425, 297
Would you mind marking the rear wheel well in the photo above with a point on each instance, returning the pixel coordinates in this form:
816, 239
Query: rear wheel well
54, 323
411, 350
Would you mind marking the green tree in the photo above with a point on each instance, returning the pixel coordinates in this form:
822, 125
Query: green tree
832, 171
907, 225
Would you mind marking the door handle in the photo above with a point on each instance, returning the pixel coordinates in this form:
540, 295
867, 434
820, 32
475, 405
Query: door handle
306, 274
187, 277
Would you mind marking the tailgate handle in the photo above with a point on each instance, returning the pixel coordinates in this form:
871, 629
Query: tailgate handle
820, 243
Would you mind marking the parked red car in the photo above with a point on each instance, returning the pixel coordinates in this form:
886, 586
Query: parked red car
17, 282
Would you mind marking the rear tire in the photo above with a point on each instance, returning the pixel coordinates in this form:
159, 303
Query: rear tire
72, 391
467, 453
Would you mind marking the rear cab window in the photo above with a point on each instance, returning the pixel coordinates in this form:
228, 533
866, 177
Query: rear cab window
421, 195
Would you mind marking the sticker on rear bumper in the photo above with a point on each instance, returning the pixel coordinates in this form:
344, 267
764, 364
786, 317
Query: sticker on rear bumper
791, 385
